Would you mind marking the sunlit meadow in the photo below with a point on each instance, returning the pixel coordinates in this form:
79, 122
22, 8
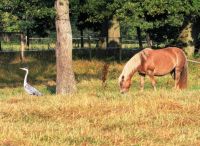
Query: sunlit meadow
95, 115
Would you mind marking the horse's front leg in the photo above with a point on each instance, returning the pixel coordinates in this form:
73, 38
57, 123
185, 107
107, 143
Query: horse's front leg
152, 78
153, 82
142, 82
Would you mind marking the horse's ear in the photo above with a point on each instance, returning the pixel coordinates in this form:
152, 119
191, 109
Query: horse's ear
123, 78
144, 55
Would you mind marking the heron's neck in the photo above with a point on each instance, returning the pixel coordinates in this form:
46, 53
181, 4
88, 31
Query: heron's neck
25, 78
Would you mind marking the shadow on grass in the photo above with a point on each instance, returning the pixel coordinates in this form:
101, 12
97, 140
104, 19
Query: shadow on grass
51, 89
41, 66
40, 71
87, 76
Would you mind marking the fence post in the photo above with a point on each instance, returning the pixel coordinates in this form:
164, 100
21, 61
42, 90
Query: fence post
120, 50
82, 41
0, 46
48, 46
22, 47
106, 42
27, 38
90, 49
139, 37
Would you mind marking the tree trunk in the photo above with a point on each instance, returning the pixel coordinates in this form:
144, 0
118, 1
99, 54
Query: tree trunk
28, 38
149, 41
139, 37
196, 35
6, 37
82, 42
186, 39
65, 80
0, 46
103, 35
22, 46
114, 33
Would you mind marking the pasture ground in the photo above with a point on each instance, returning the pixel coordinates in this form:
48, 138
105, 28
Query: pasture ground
96, 115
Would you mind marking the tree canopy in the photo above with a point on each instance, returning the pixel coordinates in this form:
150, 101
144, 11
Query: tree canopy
20, 15
164, 20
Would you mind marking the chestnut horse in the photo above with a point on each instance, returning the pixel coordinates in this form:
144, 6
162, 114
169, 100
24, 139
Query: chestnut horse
155, 63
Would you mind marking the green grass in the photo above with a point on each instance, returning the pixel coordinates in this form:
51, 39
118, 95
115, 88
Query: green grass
15, 46
96, 115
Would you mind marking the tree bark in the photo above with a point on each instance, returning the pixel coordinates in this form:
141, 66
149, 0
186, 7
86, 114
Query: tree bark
186, 39
22, 46
114, 33
82, 42
6, 37
65, 80
149, 41
196, 35
0, 46
28, 38
103, 35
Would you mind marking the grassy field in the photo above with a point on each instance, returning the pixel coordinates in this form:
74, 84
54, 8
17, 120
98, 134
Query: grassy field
96, 115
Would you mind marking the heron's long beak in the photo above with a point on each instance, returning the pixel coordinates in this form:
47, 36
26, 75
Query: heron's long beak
22, 68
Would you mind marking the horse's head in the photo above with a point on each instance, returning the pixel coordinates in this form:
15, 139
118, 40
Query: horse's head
124, 83
129, 69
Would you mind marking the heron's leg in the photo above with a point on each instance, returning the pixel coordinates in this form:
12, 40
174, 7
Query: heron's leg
142, 82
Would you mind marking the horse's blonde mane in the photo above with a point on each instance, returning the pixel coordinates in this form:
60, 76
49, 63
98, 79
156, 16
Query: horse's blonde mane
132, 65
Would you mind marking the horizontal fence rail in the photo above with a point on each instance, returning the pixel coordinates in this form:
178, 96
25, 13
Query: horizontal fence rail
88, 44
104, 54
37, 43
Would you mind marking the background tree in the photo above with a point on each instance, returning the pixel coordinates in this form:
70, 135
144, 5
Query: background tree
164, 21
100, 16
65, 81
160, 21
26, 17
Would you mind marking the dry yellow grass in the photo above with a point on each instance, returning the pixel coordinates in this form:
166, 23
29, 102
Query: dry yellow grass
96, 115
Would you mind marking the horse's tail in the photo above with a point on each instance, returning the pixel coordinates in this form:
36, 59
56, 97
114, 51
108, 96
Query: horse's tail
183, 77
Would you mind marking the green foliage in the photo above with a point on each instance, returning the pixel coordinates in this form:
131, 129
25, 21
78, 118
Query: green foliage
146, 14
9, 22
161, 18
38, 15
93, 13
20, 15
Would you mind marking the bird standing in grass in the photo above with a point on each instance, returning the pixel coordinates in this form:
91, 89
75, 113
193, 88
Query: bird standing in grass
28, 88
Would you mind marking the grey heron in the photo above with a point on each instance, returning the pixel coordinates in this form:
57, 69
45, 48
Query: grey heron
28, 88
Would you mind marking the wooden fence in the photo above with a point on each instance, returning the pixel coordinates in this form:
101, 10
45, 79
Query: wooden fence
92, 46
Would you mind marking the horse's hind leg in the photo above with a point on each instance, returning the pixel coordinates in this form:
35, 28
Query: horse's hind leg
173, 74
177, 77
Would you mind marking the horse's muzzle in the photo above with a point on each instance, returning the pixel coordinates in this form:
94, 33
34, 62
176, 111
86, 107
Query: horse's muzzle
123, 91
